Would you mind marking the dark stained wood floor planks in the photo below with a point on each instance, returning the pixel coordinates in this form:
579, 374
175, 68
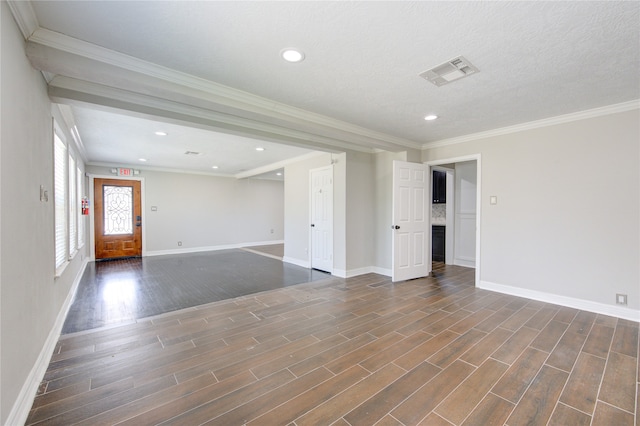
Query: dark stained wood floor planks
122, 290
357, 351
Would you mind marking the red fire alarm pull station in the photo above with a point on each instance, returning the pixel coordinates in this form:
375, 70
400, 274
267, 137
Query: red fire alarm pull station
85, 206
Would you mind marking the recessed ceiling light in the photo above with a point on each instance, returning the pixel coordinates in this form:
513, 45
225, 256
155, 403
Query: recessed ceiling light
214, 167
259, 148
142, 159
431, 117
278, 174
292, 55
159, 133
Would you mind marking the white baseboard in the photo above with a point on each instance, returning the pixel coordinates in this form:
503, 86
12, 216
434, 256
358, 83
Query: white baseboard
20, 410
361, 271
340, 273
297, 262
263, 243
585, 305
381, 271
467, 263
210, 248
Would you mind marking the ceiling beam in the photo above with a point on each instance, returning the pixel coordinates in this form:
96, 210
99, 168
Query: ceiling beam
101, 77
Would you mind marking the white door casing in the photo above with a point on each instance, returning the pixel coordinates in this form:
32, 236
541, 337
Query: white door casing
321, 181
411, 230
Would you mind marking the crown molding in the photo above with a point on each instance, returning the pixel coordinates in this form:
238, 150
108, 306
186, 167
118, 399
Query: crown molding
243, 175
546, 122
201, 90
25, 17
158, 169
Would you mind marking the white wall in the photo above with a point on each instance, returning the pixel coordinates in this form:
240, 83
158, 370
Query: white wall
361, 213
465, 214
32, 300
339, 213
206, 212
567, 219
383, 165
355, 211
296, 207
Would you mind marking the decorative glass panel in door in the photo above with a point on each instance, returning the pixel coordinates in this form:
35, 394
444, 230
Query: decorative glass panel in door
118, 209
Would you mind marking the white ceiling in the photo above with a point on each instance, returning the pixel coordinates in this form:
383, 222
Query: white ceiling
358, 85
120, 139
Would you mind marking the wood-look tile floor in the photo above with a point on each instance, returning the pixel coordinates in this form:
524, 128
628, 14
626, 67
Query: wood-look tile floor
358, 351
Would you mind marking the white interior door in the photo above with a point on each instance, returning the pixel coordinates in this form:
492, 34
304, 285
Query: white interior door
322, 218
411, 230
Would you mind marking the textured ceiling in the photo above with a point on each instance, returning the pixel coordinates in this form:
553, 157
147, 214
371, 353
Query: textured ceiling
536, 59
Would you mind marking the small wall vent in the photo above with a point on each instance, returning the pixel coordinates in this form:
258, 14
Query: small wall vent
452, 70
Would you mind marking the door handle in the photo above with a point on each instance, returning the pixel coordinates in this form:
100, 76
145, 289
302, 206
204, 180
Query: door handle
395, 227
138, 224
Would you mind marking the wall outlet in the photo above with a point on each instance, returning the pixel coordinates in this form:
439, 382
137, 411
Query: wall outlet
179, 243
272, 230
621, 299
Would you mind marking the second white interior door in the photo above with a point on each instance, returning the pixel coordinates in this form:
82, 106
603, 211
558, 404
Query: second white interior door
322, 219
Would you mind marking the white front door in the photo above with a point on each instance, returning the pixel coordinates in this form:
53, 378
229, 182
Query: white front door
411, 230
322, 219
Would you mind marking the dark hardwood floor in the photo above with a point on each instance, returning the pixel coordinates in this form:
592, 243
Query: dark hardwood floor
120, 291
358, 351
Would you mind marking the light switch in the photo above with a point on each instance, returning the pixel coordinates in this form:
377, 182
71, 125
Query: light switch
154, 208
493, 200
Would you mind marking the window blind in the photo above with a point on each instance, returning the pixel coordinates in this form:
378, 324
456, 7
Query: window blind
73, 207
60, 197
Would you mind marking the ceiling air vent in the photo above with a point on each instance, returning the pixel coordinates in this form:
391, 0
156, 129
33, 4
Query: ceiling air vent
452, 70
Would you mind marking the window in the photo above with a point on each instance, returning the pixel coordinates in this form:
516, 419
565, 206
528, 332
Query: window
69, 224
118, 210
60, 197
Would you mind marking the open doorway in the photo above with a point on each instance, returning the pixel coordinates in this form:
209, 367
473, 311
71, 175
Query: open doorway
442, 214
455, 212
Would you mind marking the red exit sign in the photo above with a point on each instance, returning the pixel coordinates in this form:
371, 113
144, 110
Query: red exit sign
125, 172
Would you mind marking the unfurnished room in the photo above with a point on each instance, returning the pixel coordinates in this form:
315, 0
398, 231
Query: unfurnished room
319, 213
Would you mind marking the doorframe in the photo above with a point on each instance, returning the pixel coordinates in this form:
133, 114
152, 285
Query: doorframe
478, 159
92, 228
449, 221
